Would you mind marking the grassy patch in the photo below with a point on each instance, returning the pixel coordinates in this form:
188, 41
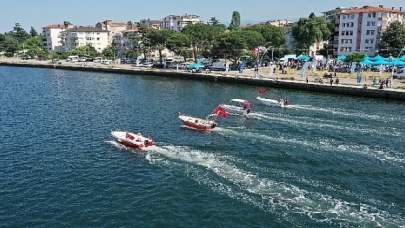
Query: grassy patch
288, 78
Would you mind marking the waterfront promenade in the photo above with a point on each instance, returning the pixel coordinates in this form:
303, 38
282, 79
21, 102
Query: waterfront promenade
347, 86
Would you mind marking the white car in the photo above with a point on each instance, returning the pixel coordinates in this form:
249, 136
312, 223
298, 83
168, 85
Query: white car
400, 74
105, 62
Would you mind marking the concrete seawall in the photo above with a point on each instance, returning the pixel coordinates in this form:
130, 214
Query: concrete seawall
295, 85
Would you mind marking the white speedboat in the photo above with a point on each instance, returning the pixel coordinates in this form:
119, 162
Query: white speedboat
271, 102
132, 140
237, 106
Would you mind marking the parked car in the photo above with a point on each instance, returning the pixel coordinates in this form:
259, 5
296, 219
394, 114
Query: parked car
97, 60
105, 62
25, 57
400, 74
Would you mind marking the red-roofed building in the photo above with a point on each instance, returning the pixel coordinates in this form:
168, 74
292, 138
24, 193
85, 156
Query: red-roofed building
360, 29
51, 36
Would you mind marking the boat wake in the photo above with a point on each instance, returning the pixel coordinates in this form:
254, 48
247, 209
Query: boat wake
286, 200
322, 144
345, 112
324, 124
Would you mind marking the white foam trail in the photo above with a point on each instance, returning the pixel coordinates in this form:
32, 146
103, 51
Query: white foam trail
344, 112
281, 198
327, 145
320, 125
117, 145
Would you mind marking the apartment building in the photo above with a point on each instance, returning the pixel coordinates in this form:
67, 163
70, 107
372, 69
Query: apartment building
178, 22
278, 23
51, 36
82, 36
125, 40
150, 23
112, 27
360, 29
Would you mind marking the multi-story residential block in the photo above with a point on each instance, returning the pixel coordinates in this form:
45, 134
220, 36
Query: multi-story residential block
178, 22
359, 29
81, 36
150, 23
112, 27
51, 36
125, 40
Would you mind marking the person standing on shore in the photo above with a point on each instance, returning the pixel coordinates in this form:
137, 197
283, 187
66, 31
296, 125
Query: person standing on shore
337, 81
307, 80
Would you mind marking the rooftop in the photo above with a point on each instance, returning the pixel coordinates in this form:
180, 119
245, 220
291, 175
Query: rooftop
373, 9
112, 23
85, 29
61, 26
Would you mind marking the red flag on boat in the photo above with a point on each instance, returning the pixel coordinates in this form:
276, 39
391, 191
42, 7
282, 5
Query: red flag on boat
262, 90
220, 112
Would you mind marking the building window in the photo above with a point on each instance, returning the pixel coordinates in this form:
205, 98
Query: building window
368, 23
98, 33
373, 23
371, 41
343, 33
366, 41
372, 32
351, 33
369, 15
374, 15
344, 16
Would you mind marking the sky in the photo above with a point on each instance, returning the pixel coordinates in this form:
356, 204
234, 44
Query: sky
40, 13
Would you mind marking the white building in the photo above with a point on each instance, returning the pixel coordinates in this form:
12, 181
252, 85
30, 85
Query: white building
82, 36
112, 27
359, 29
178, 22
51, 36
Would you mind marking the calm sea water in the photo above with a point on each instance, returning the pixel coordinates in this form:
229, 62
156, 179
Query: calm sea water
327, 161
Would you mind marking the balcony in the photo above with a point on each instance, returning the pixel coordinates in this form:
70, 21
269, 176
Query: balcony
336, 38
382, 18
337, 21
336, 29
335, 45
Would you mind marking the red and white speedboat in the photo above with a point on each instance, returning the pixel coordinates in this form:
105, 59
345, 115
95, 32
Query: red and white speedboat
210, 122
132, 140
198, 123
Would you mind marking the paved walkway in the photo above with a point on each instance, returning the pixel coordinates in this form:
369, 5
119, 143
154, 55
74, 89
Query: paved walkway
246, 73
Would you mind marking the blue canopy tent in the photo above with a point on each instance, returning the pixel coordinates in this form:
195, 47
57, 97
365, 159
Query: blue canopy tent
379, 62
402, 58
396, 62
366, 61
304, 58
341, 57
376, 58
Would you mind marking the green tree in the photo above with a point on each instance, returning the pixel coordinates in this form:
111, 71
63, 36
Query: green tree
307, 31
38, 52
129, 23
393, 39
213, 21
133, 54
180, 44
235, 22
355, 57
158, 40
33, 32
33, 42
202, 37
142, 43
274, 36
19, 33
87, 50
10, 45
108, 53
232, 44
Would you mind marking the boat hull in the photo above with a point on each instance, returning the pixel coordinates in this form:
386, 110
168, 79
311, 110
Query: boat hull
197, 123
270, 102
138, 142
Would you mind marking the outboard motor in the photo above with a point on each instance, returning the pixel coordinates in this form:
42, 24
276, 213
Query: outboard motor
146, 143
248, 111
213, 126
